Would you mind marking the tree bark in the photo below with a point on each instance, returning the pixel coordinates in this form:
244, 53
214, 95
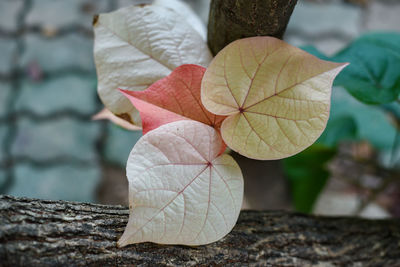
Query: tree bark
230, 20
58, 233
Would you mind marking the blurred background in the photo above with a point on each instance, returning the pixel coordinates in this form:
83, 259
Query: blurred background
50, 148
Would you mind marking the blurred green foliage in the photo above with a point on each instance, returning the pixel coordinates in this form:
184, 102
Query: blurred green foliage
308, 174
373, 76
307, 171
373, 79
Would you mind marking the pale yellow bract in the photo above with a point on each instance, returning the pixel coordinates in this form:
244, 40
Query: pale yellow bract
276, 95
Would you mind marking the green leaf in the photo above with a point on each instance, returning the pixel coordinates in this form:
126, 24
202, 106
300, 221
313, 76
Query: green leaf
339, 129
388, 40
307, 174
373, 124
373, 76
392, 108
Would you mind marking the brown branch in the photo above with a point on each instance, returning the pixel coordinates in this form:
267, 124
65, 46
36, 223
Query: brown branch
230, 20
58, 233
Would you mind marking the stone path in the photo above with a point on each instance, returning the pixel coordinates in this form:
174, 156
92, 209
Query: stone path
49, 147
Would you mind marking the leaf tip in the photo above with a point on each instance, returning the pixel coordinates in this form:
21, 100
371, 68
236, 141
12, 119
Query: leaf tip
344, 64
128, 94
125, 92
341, 66
123, 241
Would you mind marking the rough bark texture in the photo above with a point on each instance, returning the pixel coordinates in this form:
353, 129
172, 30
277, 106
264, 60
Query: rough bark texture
230, 20
57, 233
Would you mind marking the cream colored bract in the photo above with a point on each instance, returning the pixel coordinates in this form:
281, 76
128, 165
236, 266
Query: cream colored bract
180, 190
276, 95
138, 45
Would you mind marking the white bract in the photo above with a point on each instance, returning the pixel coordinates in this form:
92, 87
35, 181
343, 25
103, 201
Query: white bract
180, 190
185, 11
138, 45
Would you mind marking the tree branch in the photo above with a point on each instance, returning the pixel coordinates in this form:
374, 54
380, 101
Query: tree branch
230, 20
58, 233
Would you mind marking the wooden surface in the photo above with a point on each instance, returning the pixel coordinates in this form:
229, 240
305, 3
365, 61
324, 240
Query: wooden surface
58, 233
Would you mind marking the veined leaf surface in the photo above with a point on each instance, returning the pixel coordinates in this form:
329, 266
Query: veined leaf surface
277, 96
185, 11
180, 190
175, 97
138, 45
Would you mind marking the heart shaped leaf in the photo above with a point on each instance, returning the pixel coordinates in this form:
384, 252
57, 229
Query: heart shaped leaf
175, 97
138, 45
276, 95
180, 190
373, 76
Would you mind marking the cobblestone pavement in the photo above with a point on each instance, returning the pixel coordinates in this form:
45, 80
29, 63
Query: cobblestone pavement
49, 147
